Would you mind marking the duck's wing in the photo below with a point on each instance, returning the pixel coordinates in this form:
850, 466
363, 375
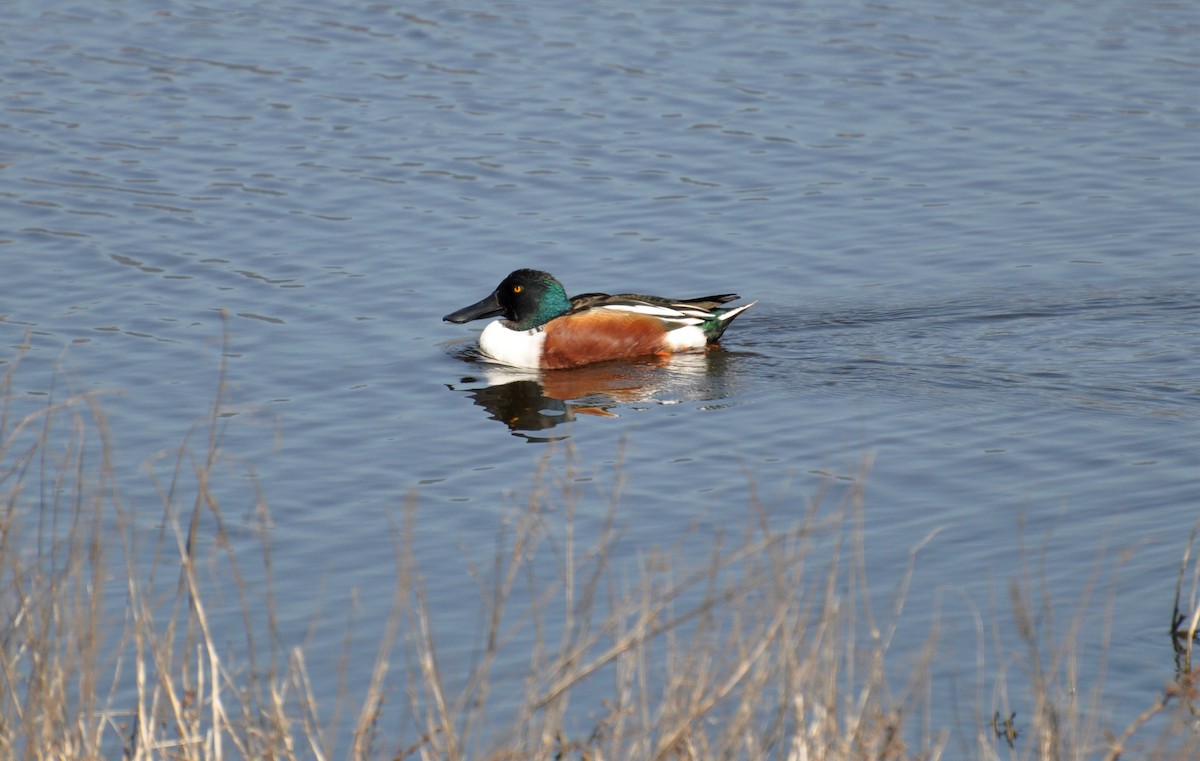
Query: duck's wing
708, 302
680, 312
585, 300
592, 300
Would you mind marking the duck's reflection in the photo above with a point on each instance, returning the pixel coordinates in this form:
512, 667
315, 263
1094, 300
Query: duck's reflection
530, 401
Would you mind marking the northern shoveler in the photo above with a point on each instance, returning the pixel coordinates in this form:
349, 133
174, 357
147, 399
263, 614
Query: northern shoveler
543, 328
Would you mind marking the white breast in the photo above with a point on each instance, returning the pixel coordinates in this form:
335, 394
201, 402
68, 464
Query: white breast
519, 348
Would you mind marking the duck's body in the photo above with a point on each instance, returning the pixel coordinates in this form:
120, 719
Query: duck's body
543, 328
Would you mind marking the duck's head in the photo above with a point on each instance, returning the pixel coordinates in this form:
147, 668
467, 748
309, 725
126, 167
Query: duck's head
525, 299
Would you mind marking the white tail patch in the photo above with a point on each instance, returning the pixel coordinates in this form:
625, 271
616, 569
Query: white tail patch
688, 337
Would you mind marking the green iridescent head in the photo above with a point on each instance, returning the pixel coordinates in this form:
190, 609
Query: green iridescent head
526, 299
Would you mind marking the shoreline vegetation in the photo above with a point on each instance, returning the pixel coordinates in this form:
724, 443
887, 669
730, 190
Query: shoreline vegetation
764, 648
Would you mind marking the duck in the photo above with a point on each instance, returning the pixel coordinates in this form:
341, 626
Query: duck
541, 327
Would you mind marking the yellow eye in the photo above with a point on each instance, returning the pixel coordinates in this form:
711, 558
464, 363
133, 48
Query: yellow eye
518, 288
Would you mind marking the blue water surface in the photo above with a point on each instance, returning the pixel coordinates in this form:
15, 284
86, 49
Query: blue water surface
971, 230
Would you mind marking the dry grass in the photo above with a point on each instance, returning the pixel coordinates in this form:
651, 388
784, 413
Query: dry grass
747, 653
769, 646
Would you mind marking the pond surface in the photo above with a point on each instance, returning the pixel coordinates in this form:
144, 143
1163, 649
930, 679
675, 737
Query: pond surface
972, 230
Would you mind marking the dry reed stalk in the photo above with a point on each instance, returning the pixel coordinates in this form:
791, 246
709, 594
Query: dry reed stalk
1185, 618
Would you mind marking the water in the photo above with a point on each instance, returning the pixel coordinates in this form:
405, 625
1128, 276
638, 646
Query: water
972, 231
